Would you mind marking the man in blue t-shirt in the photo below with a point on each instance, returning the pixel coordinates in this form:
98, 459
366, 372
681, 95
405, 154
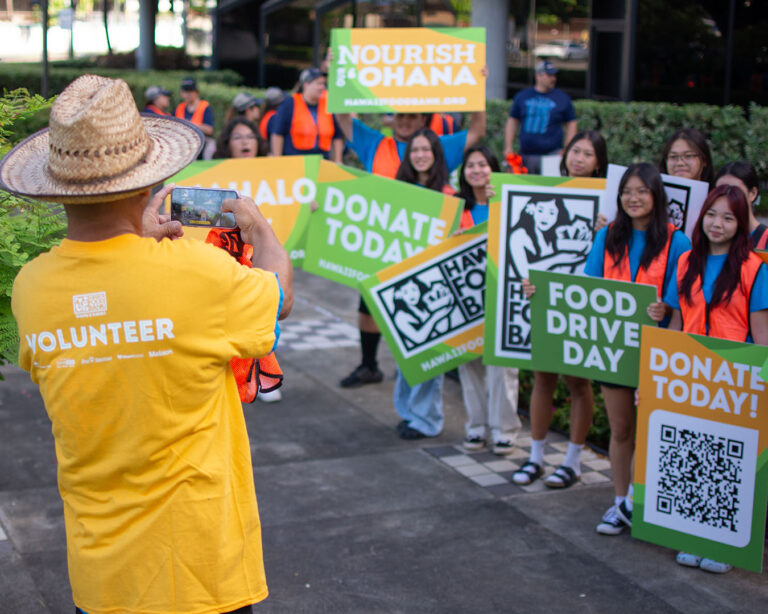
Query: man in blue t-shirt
538, 114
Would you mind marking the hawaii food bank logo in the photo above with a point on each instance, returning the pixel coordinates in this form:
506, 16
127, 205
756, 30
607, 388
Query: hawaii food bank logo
89, 305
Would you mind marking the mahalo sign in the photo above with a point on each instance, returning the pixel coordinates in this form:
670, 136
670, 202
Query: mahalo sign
588, 327
282, 187
365, 223
406, 70
430, 306
539, 223
701, 460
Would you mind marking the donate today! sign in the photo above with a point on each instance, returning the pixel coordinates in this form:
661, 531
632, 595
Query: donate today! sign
365, 223
406, 70
588, 327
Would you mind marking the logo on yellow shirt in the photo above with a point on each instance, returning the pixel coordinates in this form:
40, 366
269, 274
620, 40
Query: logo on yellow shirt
89, 305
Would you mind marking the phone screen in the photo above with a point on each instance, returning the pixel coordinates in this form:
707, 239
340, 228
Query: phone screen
201, 207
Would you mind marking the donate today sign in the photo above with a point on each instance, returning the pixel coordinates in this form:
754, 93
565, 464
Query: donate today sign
406, 70
588, 327
365, 223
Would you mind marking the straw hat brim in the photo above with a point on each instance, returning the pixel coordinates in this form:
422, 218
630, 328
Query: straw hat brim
175, 144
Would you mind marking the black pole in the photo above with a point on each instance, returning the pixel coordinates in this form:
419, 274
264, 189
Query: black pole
729, 55
44, 77
262, 47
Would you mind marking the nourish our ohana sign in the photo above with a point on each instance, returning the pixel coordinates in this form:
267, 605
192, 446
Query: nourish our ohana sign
427, 69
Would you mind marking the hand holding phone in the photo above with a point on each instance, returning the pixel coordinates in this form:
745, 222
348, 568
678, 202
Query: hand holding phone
201, 207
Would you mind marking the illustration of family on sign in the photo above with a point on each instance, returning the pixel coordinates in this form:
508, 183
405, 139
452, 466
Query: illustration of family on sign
549, 235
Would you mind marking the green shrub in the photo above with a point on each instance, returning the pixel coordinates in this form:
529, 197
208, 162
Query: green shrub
27, 228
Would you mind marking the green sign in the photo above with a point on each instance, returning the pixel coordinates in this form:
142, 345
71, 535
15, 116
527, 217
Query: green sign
430, 306
588, 327
365, 223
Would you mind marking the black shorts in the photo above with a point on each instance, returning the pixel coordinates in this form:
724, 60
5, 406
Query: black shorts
362, 307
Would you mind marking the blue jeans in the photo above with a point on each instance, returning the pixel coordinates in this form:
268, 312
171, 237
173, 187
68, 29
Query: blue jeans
422, 405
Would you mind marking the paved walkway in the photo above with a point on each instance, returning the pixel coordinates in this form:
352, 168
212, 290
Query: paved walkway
356, 520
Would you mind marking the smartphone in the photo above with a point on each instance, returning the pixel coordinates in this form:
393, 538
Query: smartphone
201, 207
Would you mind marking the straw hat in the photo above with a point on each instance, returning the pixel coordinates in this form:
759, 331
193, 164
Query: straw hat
98, 148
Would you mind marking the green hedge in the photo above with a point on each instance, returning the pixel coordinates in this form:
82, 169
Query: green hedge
217, 87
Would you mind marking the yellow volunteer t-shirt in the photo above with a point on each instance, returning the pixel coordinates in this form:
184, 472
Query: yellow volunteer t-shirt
130, 341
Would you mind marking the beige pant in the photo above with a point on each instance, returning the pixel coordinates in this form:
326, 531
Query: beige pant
490, 396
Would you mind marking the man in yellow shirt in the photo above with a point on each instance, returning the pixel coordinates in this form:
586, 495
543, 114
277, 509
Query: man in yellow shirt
129, 337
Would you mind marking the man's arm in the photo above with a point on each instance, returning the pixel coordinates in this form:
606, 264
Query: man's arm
570, 131
337, 150
345, 123
476, 130
206, 129
510, 130
268, 254
276, 142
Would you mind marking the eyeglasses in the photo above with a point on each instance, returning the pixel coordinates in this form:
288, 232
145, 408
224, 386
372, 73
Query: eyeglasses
628, 193
243, 137
687, 157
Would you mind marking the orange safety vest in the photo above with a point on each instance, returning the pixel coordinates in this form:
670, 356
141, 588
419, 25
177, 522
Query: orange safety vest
155, 109
386, 160
466, 220
263, 123
726, 320
762, 240
305, 133
197, 116
441, 124
653, 275
253, 375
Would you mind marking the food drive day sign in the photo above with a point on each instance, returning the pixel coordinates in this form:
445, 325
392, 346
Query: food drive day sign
282, 187
588, 327
425, 70
430, 306
701, 460
365, 223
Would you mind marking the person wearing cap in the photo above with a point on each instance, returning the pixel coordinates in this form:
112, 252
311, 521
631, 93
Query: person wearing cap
244, 105
273, 98
193, 108
153, 458
303, 125
158, 100
539, 114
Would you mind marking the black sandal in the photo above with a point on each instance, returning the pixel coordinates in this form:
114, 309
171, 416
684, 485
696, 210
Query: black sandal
566, 476
529, 473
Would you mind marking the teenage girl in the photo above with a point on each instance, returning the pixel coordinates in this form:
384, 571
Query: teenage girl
744, 176
721, 290
686, 154
489, 393
640, 245
585, 156
421, 406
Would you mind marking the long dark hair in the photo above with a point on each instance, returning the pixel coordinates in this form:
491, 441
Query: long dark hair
222, 143
438, 174
730, 276
601, 152
527, 221
401, 305
465, 190
743, 171
620, 231
697, 141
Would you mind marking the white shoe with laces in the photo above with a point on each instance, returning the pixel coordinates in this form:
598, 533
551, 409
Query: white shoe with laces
273, 396
611, 524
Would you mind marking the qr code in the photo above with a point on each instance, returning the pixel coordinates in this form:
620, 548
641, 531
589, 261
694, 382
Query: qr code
700, 477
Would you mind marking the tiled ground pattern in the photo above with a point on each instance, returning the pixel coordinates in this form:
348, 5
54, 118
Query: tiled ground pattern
495, 472
317, 334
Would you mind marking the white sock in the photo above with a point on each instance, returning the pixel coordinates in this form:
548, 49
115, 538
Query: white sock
573, 457
628, 499
617, 500
537, 451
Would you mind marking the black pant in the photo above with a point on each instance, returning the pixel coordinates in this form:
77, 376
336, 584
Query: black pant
246, 610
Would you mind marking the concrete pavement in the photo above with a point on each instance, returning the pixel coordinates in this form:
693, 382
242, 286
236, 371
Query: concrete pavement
356, 520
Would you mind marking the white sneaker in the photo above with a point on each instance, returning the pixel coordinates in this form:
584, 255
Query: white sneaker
273, 396
611, 524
